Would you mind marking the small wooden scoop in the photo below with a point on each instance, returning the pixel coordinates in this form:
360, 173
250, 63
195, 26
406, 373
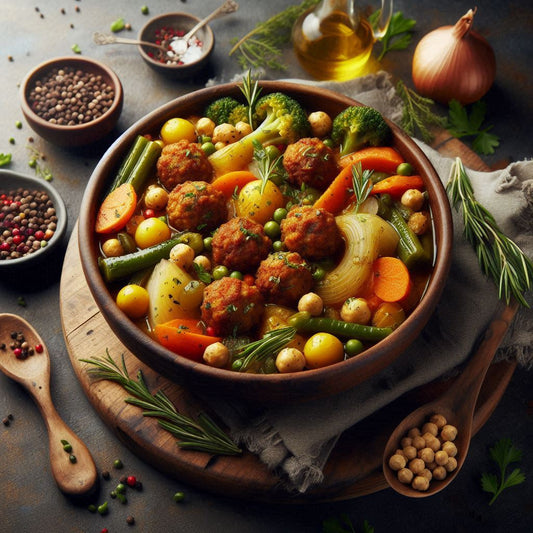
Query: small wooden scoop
457, 404
76, 475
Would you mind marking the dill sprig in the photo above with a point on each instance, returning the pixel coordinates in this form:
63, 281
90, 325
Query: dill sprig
499, 257
262, 46
271, 343
362, 184
201, 434
417, 115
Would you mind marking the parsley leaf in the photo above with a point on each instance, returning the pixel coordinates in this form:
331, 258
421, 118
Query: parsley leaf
5, 159
398, 34
503, 453
462, 123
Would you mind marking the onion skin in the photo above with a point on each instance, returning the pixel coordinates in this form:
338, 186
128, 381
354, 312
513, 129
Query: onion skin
454, 63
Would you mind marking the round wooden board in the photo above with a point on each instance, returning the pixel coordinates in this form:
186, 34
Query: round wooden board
353, 469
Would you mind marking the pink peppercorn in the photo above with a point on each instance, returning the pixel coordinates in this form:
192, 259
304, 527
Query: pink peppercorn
39, 348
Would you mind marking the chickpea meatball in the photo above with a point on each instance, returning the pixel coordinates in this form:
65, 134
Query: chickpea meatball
196, 206
283, 278
310, 162
311, 232
231, 306
240, 244
183, 161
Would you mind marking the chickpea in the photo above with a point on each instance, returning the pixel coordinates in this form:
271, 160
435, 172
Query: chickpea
217, 355
405, 476
441, 457
439, 420
419, 442
439, 473
448, 432
431, 466
420, 483
397, 462
429, 427
406, 441
450, 448
413, 199
416, 465
290, 360
451, 465
183, 255
156, 198
320, 123
243, 129
410, 452
399, 451
427, 474
427, 455
312, 303
419, 222
356, 310
414, 432
203, 262
205, 126
112, 248
225, 133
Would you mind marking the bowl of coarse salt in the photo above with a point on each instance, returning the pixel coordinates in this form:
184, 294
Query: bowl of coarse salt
71, 101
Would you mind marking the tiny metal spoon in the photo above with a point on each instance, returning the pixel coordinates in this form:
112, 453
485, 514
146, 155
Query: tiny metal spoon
74, 477
103, 38
457, 404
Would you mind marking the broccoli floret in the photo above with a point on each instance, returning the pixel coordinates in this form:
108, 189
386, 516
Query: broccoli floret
359, 126
281, 119
226, 110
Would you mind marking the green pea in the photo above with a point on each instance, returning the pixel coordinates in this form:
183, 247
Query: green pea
278, 246
237, 364
272, 152
194, 240
353, 347
272, 229
404, 169
220, 271
145, 10
18, 124
319, 273
236, 275
329, 143
179, 497
279, 214
208, 147
208, 244
32, 163
269, 366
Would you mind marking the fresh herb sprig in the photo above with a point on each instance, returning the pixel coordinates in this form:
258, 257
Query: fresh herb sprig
271, 343
503, 453
399, 32
262, 47
418, 115
201, 434
266, 165
251, 91
362, 184
499, 257
463, 122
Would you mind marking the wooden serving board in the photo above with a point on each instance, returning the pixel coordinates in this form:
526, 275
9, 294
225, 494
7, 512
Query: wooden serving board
354, 467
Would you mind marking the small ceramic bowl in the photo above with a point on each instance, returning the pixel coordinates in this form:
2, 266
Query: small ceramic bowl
10, 181
172, 23
79, 133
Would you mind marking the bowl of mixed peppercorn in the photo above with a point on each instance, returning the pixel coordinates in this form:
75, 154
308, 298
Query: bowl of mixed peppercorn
33, 219
71, 101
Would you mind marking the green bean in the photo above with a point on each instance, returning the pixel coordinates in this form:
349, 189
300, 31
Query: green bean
304, 322
129, 161
144, 166
410, 249
115, 268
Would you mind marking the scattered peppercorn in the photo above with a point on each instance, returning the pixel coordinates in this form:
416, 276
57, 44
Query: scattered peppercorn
106, 475
11, 140
10, 58
72, 458
145, 10
179, 496
131, 481
117, 463
18, 124
5, 421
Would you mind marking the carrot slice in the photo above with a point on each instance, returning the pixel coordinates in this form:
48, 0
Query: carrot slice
340, 190
116, 209
392, 281
377, 158
233, 181
396, 185
184, 337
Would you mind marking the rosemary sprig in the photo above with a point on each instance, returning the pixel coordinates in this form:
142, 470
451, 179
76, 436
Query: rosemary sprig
262, 46
271, 343
499, 257
417, 115
251, 91
201, 434
266, 166
362, 184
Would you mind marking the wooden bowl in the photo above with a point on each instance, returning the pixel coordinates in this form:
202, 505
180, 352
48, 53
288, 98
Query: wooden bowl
176, 21
78, 134
261, 389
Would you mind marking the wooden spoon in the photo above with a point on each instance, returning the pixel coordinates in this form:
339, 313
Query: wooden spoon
75, 478
457, 404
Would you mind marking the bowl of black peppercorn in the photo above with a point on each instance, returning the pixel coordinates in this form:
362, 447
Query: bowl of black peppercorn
71, 101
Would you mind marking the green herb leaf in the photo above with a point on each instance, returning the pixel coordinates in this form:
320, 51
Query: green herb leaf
417, 115
201, 434
5, 159
266, 166
251, 91
76, 48
362, 184
399, 32
462, 123
503, 453
499, 257
117, 25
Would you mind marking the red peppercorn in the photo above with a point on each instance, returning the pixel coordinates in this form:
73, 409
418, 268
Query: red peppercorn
131, 481
149, 213
210, 331
18, 353
39, 348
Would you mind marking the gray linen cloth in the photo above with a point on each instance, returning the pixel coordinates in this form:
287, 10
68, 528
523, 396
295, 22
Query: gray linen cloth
297, 446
